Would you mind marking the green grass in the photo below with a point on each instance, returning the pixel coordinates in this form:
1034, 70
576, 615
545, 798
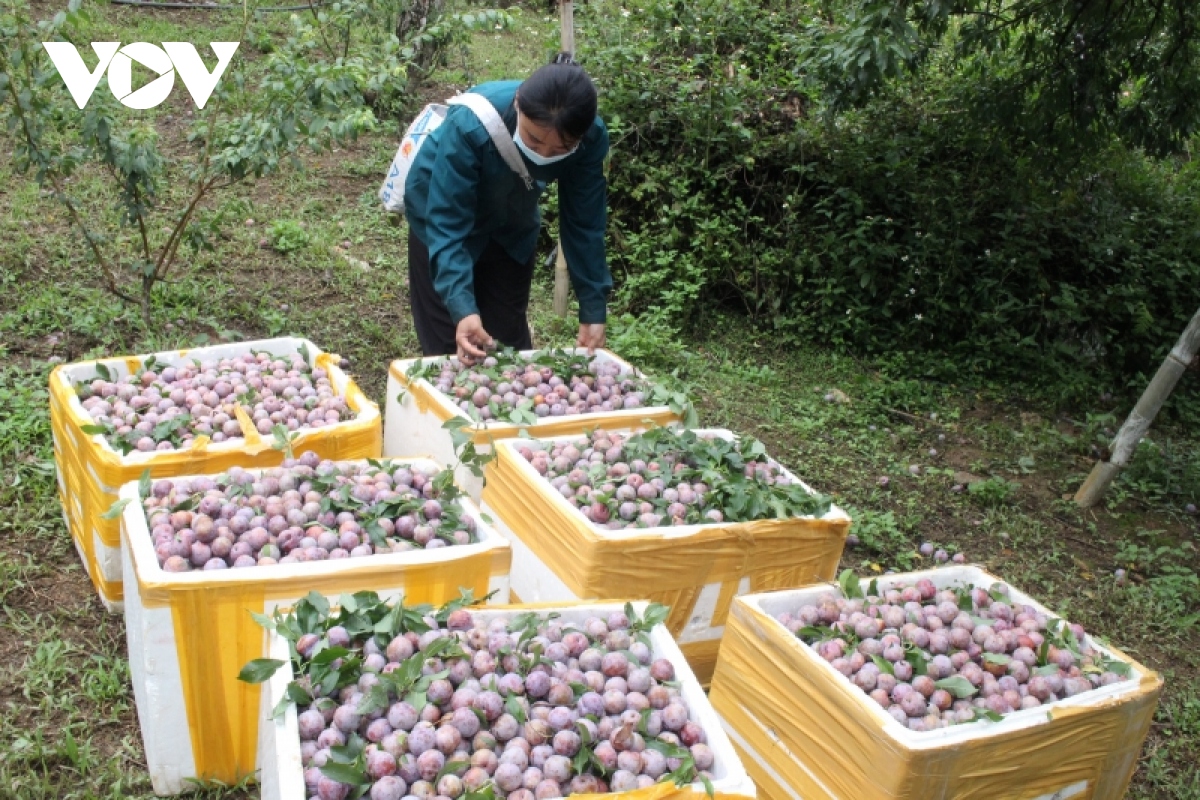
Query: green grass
68, 727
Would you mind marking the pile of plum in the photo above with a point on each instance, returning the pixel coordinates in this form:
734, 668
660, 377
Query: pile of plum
305, 510
522, 707
163, 407
670, 477
934, 658
510, 387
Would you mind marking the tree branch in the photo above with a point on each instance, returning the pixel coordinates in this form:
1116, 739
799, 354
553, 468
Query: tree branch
48, 173
137, 196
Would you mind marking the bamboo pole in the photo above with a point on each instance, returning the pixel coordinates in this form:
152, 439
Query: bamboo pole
561, 284
566, 19
1148, 406
566, 25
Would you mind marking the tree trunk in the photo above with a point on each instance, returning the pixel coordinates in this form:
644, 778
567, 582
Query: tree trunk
1135, 427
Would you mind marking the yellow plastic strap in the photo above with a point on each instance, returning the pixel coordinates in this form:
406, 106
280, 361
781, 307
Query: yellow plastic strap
817, 734
771, 553
426, 397
254, 441
215, 636
422, 394
663, 791
93, 473
702, 658
213, 642
75, 496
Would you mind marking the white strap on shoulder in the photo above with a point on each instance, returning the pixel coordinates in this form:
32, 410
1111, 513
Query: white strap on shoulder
495, 128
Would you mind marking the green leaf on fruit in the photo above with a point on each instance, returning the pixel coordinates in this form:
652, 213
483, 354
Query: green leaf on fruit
281, 707
349, 752
513, 706
259, 670
345, 773
1043, 653
376, 698
329, 655
263, 620
958, 686
452, 768
815, 633
1121, 668
115, 509
884, 665
851, 588
918, 658
667, 749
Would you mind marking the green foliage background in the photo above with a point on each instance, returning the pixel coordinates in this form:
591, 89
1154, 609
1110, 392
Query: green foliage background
910, 223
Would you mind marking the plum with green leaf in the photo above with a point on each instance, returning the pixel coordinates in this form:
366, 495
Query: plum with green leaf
985, 665
486, 735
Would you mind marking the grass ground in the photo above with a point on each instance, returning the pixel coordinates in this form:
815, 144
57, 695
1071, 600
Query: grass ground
68, 727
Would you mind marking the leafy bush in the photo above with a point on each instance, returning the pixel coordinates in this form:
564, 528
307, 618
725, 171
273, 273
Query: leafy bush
286, 235
901, 227
881, 534
992, 492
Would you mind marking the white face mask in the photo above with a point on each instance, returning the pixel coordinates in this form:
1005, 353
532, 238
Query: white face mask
538, 160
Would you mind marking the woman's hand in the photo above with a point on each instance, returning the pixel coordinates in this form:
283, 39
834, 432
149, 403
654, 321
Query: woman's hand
591, 336
471, 339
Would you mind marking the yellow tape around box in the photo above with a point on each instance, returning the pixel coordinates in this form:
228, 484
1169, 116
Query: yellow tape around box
818, 737
702, 658
215, 636
429, 400
93, 472
663, 791
671, 570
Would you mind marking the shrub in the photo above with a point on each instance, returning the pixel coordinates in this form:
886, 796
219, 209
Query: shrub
901, 227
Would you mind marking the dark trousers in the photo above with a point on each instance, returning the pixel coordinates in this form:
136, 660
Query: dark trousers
501, 294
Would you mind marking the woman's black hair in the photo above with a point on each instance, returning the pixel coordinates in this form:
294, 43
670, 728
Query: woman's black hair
560, 95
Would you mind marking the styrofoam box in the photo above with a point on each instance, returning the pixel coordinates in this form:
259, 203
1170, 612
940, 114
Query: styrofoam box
409, 431
775, 603
108, 559
152, 637
279, 740
535, 582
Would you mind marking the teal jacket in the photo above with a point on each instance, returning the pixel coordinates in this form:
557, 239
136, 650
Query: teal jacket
460, 193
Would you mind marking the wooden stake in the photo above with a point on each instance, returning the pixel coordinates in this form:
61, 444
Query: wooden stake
566, 22
562, 285
1148, 406
566, 19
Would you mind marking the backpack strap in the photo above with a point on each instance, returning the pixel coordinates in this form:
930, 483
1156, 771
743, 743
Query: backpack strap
495, 128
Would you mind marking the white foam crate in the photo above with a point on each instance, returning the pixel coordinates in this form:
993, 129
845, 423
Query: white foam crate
279, 740
410, 431
107, 558
151, 632
947, 577
534, 581
897, 736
